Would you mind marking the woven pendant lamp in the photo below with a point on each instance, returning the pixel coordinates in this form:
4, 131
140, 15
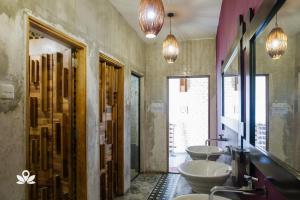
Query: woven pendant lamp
276, 43
170, 49
151, 17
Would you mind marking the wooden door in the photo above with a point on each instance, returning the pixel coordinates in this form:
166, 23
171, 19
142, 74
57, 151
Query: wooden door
109, 108
51, 134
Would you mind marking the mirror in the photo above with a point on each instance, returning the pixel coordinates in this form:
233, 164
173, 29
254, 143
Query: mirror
277, 87
231, 92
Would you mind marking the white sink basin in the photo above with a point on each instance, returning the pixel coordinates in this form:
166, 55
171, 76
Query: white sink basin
202, 175
201, 152
198, 197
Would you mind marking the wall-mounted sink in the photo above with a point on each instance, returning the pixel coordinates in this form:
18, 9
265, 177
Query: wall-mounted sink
201, 152
198, 197
202, 175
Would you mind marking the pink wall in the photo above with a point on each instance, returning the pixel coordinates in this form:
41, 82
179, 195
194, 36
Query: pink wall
227, 30
228, 24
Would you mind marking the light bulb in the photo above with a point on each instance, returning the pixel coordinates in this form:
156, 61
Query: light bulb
150, 35
151, 14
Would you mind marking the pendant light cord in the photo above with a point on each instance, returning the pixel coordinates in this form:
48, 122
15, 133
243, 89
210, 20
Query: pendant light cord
170, 15
170, 25
276, 24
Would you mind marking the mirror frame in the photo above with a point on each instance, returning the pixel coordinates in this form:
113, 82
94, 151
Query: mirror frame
257, 26
236, 51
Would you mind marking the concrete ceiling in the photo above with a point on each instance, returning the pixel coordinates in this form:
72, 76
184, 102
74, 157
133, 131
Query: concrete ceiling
194, 19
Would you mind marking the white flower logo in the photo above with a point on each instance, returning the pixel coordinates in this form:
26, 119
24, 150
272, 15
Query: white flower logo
25, 178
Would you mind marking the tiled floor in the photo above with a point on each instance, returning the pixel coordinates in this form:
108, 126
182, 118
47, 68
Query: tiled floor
141, 187
165, 188
160, 187
157, 187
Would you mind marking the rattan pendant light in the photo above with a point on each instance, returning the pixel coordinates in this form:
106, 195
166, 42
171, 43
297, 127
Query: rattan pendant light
170, 49
276, 43
151, 17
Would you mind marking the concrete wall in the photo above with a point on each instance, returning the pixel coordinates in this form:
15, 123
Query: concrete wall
297, 116
93, 22
196, 57
97, 24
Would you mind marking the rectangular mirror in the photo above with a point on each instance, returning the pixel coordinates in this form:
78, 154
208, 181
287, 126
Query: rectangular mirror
276, 122
231, 92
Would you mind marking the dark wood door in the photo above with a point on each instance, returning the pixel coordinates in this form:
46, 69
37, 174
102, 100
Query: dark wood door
108, 130
51, 133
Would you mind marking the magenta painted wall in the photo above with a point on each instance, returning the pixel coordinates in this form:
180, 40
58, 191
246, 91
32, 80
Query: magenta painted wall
228, 23
227, 30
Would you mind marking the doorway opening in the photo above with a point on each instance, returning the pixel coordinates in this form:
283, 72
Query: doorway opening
188, 116
56, 83
135, 124
262, 111
111, 112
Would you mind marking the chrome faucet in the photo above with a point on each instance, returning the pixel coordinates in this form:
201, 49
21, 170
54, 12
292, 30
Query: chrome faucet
221, 138
245, 190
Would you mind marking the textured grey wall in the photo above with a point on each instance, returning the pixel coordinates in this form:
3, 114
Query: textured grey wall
97, 24
93, 22
197, 57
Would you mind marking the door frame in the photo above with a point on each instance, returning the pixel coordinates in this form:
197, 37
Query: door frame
168, 107
81, 158
133, 73
120, 144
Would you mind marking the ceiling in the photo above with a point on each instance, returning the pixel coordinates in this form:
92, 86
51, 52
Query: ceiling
194, 19
288, 17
